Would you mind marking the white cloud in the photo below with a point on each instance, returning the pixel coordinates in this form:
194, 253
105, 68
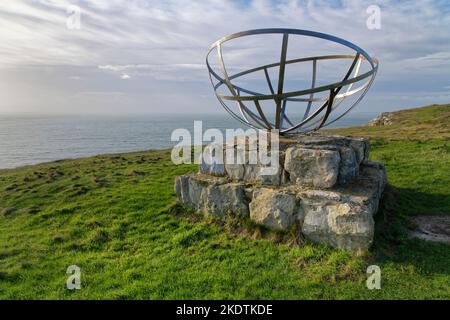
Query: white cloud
168, 40
176, 71
439, 61
125, 76
178, 32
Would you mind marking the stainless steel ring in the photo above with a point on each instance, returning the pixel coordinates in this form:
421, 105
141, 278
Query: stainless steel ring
255, 116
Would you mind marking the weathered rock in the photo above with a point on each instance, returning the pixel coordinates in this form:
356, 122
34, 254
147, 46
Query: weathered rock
212, 161
312, 167
334, 142
241, 163
361, 148
235, 172
191, 189
384, 119
215, 169
211, 195
343, 218
348, 168
320, 197
373, 178
323, 182
341, 225
184, 192
273, 208
247, 167
229, 198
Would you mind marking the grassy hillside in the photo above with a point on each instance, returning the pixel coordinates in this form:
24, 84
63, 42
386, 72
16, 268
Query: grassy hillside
115, 217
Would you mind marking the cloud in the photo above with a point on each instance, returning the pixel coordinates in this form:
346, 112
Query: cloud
178, 32
167, 40
175, 72
438, 61
99, 93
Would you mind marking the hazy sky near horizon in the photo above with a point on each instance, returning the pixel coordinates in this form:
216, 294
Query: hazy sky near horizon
148, 56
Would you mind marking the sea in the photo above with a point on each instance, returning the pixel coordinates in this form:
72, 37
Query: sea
27, 139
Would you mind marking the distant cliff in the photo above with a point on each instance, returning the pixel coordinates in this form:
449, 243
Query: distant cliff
384, 119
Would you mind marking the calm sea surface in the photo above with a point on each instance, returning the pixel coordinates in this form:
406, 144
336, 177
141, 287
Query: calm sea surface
31, 139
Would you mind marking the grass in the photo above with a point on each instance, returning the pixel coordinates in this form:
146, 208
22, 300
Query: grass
115, 216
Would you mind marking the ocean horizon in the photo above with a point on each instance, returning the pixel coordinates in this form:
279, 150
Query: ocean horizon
27, 139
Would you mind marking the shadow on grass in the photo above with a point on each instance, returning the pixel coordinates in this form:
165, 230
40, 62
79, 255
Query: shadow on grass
411, 202
392, 243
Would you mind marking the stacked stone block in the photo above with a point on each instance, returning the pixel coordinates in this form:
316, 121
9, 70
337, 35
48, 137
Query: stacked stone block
323, 183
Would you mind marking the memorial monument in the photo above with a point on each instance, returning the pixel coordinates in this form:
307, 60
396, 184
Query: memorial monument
323, 184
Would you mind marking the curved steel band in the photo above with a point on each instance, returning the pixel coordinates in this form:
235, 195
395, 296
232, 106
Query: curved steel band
331, 102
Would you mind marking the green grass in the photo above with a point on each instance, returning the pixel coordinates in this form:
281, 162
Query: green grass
116, 217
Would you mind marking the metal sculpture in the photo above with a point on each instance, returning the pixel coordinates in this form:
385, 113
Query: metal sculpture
248, 102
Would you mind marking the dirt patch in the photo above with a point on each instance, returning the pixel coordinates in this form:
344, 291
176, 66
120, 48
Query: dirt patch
432, 228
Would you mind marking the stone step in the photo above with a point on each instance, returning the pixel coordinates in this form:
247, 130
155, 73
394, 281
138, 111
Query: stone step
318, 161
341, 216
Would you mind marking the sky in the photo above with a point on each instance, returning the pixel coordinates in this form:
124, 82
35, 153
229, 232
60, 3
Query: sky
147, 56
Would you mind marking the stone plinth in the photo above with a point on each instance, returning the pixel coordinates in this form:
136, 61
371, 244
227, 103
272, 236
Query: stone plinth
311, 161
325, 184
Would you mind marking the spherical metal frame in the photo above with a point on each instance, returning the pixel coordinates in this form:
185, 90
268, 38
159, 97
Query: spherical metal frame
310, 122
